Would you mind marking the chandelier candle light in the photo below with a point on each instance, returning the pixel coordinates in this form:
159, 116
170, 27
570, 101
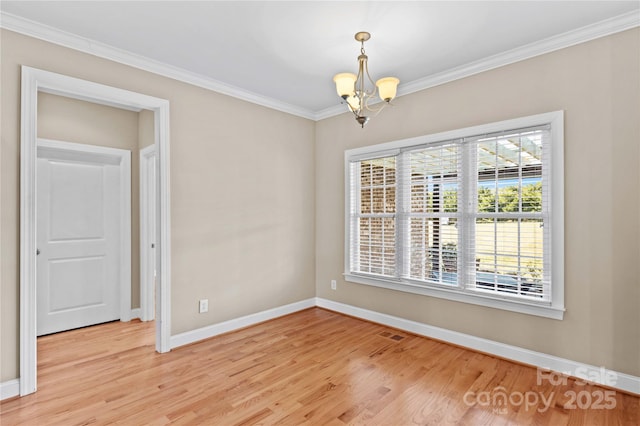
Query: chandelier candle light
353, 90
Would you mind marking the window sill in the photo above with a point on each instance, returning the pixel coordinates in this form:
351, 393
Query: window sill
523, 307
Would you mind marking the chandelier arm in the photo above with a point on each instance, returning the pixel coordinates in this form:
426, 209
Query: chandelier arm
373, 84
376, 110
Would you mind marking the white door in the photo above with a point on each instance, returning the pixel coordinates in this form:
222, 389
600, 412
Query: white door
79, 238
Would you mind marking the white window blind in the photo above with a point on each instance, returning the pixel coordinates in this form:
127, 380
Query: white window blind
373, 216
510, 213
470, 215
432, 213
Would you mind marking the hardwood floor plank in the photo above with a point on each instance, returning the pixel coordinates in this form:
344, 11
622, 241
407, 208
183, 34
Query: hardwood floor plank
312, 367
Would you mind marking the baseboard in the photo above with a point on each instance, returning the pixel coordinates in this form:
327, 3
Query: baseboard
237, 323
136, 313
9, 389
546, 362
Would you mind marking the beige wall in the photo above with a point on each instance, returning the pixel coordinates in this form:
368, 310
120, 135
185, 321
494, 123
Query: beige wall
242, 193
597, 84
71, 120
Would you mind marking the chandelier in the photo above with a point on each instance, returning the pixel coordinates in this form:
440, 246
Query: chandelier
359, 90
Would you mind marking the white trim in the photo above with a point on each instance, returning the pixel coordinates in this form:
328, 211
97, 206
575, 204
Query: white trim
238, 323
570, 38
9, 389
33, 81
122, 158
125, 238
556, 176
498, 126
163, 229
147, 303
28, 324
492, 301
136, 313
556, 308
625, 382
53, 35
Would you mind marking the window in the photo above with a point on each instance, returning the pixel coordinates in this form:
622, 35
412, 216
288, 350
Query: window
464, 215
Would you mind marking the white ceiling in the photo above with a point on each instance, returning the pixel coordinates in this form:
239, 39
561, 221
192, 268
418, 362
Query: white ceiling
288, 51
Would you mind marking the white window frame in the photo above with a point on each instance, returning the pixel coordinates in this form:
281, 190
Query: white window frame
553, 308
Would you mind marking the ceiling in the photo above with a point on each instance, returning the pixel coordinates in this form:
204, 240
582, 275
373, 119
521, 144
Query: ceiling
285, 53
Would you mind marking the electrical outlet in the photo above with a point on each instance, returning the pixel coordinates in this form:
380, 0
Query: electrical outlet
333, 284
204, 306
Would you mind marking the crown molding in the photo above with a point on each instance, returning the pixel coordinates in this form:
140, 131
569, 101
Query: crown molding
53, 35
590, 32
548, 45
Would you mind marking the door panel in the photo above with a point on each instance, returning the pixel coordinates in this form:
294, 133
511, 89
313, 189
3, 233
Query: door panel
76, 283
78, 234
76, 201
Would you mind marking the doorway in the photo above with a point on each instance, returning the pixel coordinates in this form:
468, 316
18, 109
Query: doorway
33, 82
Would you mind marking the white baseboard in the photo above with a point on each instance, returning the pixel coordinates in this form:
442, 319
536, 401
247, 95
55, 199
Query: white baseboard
237, 323
136, 313
609, 378
9, 389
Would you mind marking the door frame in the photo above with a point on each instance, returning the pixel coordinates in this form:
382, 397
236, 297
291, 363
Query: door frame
121, 157
147, 210
33, 81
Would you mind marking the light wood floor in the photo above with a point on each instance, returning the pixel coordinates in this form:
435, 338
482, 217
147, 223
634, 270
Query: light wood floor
313, 367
